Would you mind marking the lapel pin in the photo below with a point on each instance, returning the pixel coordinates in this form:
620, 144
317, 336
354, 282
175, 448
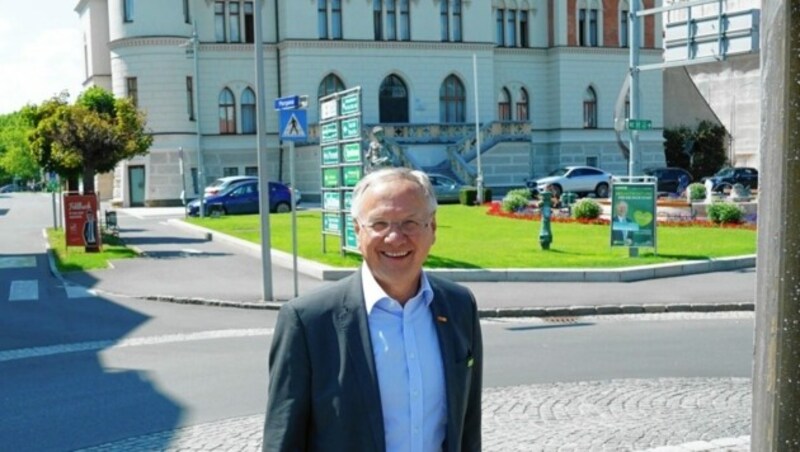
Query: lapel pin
441, 319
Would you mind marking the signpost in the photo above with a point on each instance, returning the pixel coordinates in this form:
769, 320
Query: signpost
639, 124
342, 164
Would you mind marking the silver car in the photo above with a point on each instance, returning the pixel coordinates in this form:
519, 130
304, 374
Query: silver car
576, 179
446, 188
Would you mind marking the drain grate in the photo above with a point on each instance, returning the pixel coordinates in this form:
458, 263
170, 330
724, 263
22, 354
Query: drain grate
560, 320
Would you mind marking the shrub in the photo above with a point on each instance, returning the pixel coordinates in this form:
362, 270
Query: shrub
516, 200
697, 191
586, 209
468, 196
724, 213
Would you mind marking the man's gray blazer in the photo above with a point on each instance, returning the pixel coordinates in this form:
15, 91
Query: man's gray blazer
323, 389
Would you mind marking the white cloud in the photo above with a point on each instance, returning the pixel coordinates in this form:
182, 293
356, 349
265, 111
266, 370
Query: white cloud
35, 69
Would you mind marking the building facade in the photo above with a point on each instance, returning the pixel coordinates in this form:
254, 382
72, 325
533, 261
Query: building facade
548, 73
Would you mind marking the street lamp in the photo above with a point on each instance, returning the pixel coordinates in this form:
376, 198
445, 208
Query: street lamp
195, 47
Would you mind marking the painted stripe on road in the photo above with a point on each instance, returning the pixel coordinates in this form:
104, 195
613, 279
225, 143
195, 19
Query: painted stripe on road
75, 291
24, 290
38, 352
18, 262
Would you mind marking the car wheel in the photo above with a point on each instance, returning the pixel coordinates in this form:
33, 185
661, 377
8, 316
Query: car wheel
283, 207
557, 190
601, 190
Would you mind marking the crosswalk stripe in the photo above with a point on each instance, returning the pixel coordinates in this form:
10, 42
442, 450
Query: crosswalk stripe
24, 290
74, 291
18, 262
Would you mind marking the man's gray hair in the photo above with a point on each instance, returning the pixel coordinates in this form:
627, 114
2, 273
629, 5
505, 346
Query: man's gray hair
390, 174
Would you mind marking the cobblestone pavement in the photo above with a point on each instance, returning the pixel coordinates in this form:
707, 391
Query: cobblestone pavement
659, 415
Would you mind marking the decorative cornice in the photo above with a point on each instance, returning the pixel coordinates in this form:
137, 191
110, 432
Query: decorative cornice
179, 41
394, 45
575, 50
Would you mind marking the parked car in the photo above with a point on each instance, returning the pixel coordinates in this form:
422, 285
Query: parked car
222, 184
10, 188
670, 179
727, 177
242, 198
446, 188
577, 179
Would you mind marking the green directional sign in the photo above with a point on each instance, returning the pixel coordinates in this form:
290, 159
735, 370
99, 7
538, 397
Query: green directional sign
350, 237
331, 222
330, 133
639, 124
330, 155
349, 104
331, 200
351, 174
351, 128
330, 177
352, 152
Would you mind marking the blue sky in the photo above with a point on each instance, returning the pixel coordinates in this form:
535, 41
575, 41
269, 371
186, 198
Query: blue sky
40, 51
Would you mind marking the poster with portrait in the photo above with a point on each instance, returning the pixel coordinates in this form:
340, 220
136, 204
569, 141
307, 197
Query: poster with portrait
81, 223
633, 215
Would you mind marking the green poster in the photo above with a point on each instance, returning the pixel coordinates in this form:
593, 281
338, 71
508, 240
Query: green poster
330, 133
330, 155
330, 177
348, 200
633, 215
352, 152
331, 223
351, 128
350, 237
331, 200
352, 174
349, 104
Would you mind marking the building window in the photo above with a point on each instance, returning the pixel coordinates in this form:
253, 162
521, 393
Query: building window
456, 21
329, 85
233, 21
504, 106
132, 89
186, 13
524, 40
249, 124
499, 35
592, 161
511, 30
127, 10
227, 112
522, 105
393, 100
444, 20
336, 19
589, 109
249, 28
588, 27
228, 171
219, 21
452, 101
377, 19
251, 171
190, 98
391, 20
623, 27
405, 21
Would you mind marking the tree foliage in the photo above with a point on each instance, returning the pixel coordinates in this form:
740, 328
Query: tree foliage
16, 161
701, 151
88, 137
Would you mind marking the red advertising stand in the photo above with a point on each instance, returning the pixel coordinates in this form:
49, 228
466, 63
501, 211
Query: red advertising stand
80, 212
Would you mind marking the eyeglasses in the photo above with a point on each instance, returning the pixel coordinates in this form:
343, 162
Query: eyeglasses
407, 227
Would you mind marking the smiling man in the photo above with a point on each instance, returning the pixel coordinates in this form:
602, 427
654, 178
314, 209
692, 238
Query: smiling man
388, 359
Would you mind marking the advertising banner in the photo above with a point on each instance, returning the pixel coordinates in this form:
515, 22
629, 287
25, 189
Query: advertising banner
80, 221
633, 215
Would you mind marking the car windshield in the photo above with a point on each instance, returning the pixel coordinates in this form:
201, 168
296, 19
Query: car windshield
725, 172
559, 172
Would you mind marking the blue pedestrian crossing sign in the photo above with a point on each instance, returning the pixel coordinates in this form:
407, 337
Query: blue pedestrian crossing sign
293, 125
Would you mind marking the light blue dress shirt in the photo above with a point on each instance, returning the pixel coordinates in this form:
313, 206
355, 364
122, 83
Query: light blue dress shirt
408, 362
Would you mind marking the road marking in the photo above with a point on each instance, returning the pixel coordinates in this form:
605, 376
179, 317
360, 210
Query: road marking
191, 251
75, 291
50, 350
24, 290
18, 262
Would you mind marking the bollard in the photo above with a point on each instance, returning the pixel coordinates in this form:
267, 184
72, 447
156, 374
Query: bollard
545, 233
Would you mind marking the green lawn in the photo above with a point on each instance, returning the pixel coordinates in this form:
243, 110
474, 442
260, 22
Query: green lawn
469, 238
76, 259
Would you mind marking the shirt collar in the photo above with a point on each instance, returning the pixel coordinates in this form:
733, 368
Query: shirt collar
373, 292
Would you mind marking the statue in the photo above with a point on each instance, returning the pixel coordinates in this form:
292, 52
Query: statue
377, 155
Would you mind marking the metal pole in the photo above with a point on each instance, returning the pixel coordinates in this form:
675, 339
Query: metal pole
477, 129
294, 217
776, 392
183, 181
55, 212
633, 26
200, 164
263, 176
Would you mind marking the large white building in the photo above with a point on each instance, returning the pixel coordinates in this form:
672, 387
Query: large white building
548, 76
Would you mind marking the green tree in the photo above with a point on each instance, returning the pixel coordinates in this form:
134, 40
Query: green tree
16, 161
701, 151
89, 137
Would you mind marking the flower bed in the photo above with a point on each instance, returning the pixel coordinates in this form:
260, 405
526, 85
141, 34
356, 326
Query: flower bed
531, 213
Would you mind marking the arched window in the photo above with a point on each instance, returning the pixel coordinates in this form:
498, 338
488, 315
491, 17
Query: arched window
393, 100
227, 112
522, 105
329, 85
589, 109
504, 105
248, 111
452, 100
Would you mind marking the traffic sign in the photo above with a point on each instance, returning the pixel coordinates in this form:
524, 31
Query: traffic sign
287, 103
639, 124
350, 104
293, 125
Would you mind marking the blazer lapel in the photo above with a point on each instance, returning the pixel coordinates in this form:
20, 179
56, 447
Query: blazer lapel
353, 331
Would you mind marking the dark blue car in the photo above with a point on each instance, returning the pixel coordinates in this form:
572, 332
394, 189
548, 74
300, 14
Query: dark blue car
243, 198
